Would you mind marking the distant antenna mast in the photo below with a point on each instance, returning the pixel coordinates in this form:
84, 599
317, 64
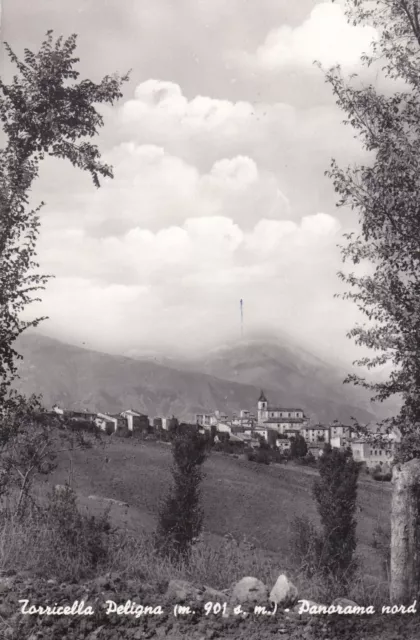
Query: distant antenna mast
241, 304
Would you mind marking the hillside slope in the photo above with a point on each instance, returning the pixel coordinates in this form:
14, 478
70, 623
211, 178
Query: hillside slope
289, 374
81, 378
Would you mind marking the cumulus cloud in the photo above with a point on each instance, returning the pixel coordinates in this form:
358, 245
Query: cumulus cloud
167, 239
202, 211
159, 113
155, 189
201, 112
218, 174
138, 281
295, 145
325, 36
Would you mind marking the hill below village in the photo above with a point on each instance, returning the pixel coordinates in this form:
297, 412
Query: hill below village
139, 474
241, 538
228, 379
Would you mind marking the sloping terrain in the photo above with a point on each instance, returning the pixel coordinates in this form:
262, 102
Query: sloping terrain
240, 497
291, 376
79, 378
228, 380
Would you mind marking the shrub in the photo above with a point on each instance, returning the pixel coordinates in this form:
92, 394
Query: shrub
305, 546
261, 456
381, 474
53, 539
308, 461
298, 447
82, 536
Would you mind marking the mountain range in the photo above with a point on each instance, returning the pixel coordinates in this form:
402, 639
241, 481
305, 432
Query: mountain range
229, 378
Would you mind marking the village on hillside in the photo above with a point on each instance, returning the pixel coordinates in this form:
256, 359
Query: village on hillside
274, 425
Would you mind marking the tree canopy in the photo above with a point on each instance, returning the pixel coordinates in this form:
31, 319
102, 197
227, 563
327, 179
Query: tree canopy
384, 192
45, 110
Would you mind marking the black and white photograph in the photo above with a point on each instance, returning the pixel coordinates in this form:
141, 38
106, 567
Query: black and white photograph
209, 319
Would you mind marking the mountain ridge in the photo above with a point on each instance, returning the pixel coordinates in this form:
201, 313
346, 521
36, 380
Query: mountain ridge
76, 377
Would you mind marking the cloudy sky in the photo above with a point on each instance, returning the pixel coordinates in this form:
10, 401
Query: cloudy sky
219, 149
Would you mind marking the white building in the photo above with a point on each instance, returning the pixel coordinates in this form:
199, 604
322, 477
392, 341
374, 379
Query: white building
316, 433
205, 419
135, 420
165, 423
211, 419
283, 444
106, 423
279, 418
373, 453
338, 442
57, 410
342, 430
224, 427
257, 432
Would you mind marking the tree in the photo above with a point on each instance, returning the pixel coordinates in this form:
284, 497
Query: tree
181, 515
327, 448
43, 111
336, 494
30, 441
223, 436
298, 447
272, 436
173, 427
213, 433
384, 192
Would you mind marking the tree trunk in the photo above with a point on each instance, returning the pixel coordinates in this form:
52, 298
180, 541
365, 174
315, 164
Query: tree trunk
405, 565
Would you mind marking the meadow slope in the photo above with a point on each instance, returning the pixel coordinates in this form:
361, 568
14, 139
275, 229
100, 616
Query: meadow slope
240, 497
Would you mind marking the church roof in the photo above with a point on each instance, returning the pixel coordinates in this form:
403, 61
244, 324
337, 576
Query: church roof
284, 420
262, 397
270, 408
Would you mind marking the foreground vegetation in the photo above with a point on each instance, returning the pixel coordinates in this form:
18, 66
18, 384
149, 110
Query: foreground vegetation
249, 525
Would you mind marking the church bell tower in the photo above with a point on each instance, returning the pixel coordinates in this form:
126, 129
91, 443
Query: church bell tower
262, 408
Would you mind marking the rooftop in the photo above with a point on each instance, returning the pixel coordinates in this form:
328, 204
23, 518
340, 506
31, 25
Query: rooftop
106, 416
316, 427
243, 436
289, 420
262, 397
234, 438
274, 408
134, 412
80, 412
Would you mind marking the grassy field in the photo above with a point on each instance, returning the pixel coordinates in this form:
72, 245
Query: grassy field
240, 497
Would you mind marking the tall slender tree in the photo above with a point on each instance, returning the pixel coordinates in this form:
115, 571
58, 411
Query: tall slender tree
336, 494
298, 447
181, 513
